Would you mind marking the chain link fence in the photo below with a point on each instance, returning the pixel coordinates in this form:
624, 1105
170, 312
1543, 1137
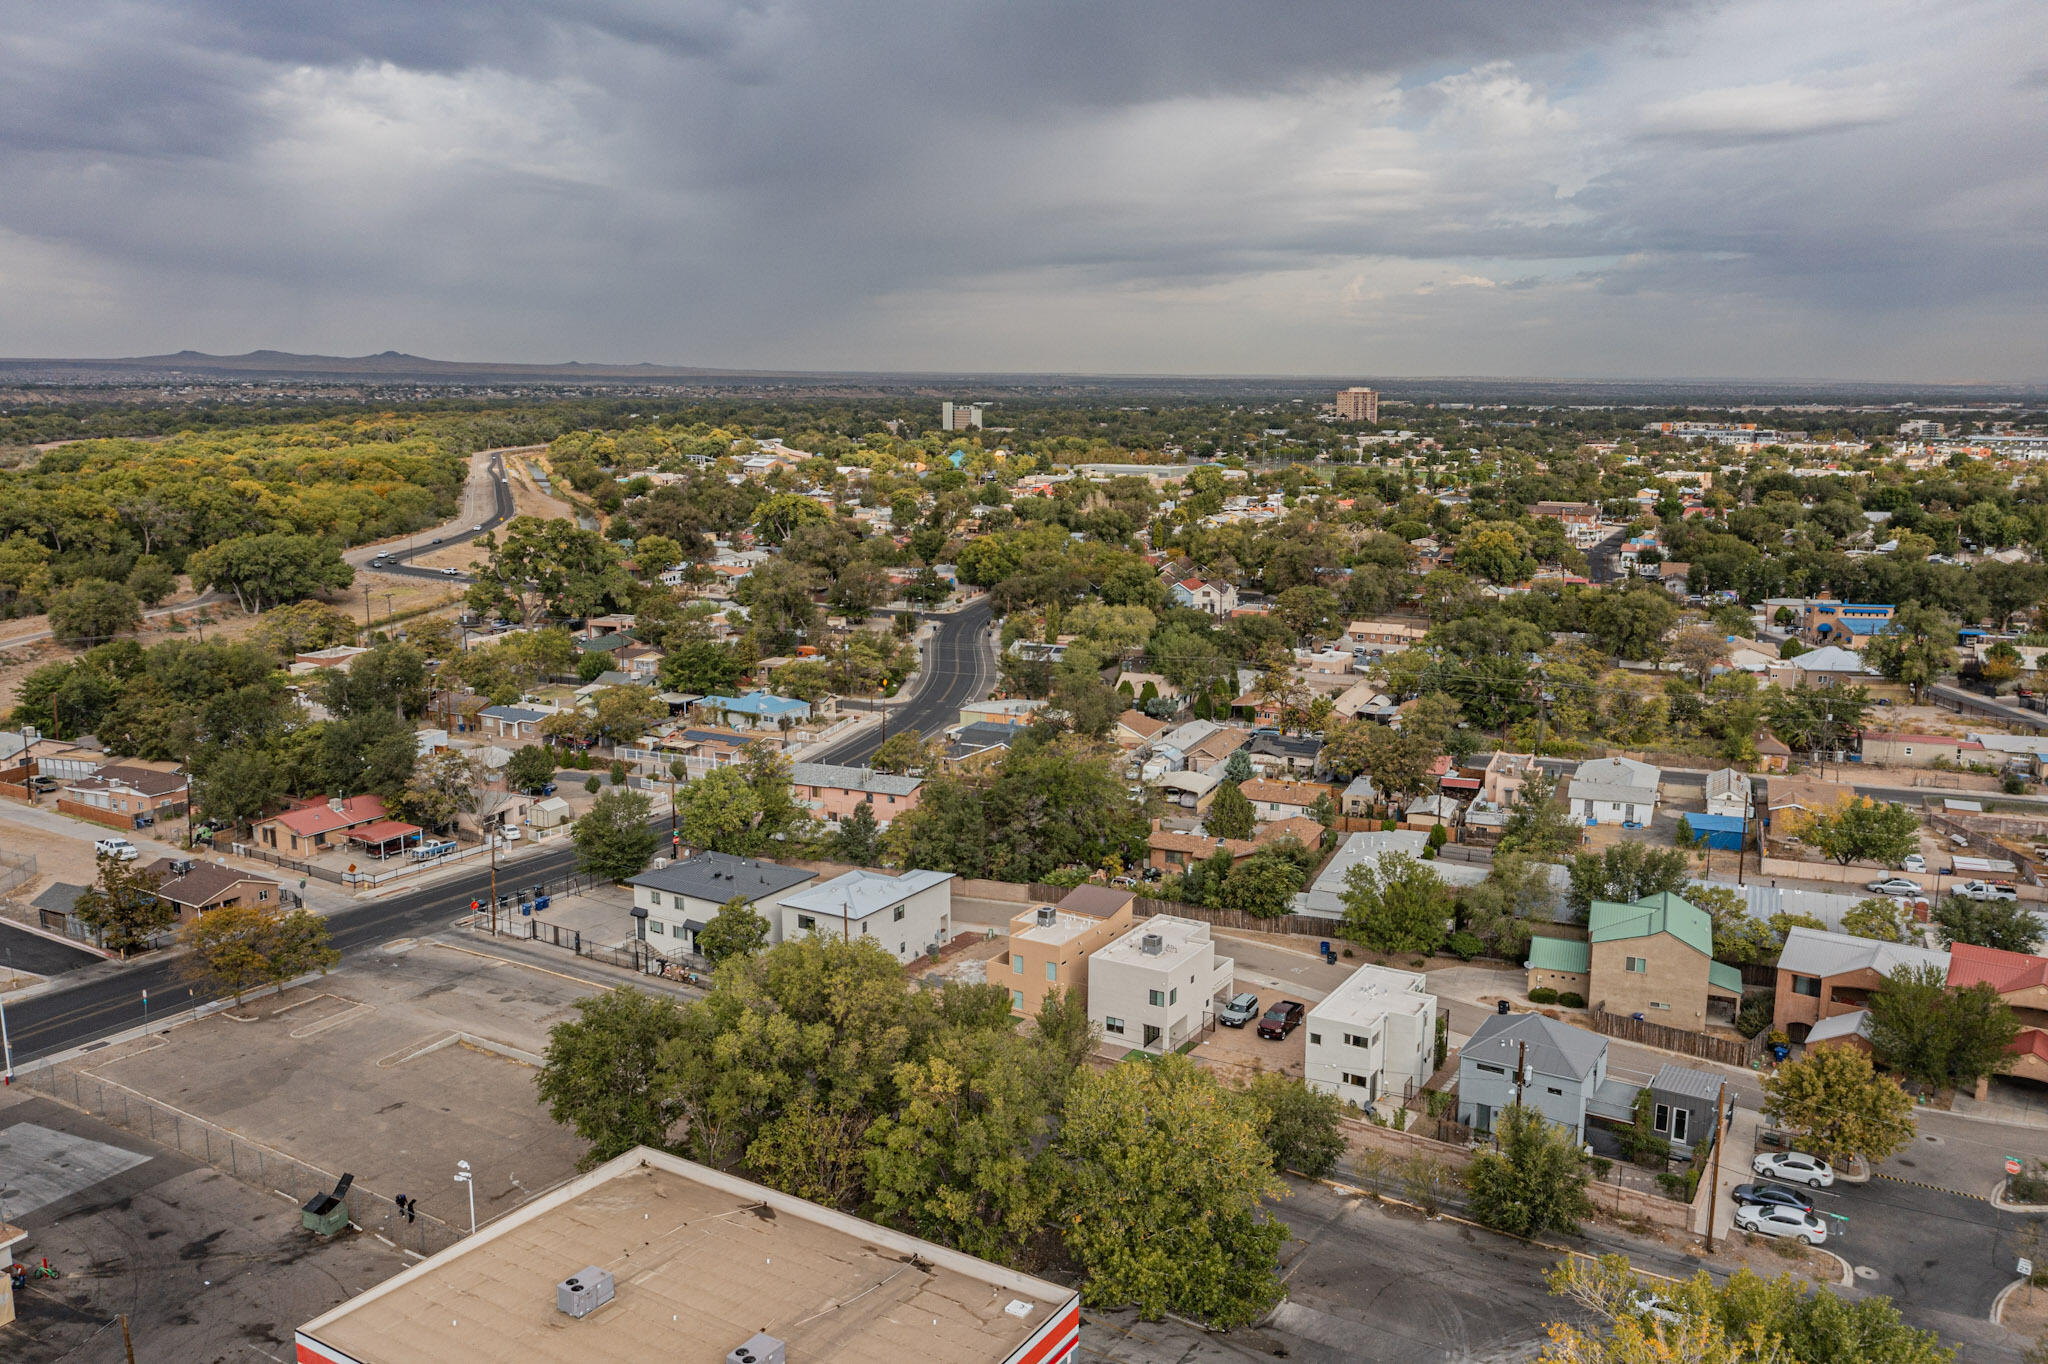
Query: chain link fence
251, 1162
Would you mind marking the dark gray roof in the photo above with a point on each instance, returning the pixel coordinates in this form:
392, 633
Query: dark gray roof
1694, 1084
60, 897
1286, 745
718, 877
1554, 1048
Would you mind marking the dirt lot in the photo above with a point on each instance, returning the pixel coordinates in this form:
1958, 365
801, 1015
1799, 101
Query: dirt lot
393, 1069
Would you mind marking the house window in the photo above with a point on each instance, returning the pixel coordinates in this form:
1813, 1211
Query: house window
1640, 964
1016, 964
1357, 1040
1016, 999
1659, 1004
654, 898
262, 895
1806, 985
1052, 970
1491, 1070
1173, 995
1109, 1025
1315, 1039
1155, 998
1678, 1123
654, 927
899, 914
805, 923
1362, 1081
1662, 1123
1558, 1092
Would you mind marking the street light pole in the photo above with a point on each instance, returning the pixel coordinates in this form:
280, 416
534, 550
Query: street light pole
6, 1047
462, 1177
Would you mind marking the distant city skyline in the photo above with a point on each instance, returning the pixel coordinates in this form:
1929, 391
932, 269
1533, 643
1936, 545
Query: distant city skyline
1810, 188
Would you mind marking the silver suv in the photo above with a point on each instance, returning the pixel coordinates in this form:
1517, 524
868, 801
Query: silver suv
1241, 1010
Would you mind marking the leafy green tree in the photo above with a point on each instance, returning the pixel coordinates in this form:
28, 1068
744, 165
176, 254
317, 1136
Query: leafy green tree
1501, 909
1880, 917
271, 569
1537, 824
304, 626
613, 839
592, 665
1238, 767
1230, 813
1916, 649
859, 839
620, 715
1938, 1036
736, 930
1630, 623
1533, 1180
443, 786
93, 610
780, 514
548, 565
237, 948
1842, 1107
1861, 829
601, 1073
2004, 924
1624, 873
1166, 1204
531, 767
741, 809
903, 751
702, 668
1303, 1127
391, 678
962, 1156
151, 581
122, 907
1262, 885
1394, 903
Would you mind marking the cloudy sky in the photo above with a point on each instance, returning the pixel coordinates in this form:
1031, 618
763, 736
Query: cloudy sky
1623, 188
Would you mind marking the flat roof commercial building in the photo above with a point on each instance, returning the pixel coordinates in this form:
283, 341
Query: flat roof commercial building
699, 1263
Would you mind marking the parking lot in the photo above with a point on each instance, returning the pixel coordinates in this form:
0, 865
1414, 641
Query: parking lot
204, 1267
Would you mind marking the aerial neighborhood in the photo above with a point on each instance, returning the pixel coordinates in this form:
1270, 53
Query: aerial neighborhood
797, 839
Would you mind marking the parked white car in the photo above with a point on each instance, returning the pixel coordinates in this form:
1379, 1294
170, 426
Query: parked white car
1800, 1226
118, 848
1794, 1167
1988, 890
1914, 862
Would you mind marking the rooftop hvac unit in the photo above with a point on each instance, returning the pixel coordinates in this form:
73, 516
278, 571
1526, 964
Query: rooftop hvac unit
1046, 915
760, 1348
585, 1291
1151, 944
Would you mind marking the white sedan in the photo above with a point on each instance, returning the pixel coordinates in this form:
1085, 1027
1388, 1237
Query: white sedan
1801, 1226
1794, 1167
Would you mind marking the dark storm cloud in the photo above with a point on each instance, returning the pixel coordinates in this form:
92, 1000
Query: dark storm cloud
962, 184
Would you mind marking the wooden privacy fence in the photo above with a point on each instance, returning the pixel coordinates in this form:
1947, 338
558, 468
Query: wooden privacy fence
1728, 1051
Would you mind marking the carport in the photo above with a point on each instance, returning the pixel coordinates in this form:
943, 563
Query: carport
385, 838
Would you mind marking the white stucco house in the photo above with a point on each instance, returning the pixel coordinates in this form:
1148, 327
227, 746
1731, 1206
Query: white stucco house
1614, 791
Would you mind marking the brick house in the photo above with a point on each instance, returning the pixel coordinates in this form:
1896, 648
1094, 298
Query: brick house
193, 887
1823, 975
122, 797
315, 825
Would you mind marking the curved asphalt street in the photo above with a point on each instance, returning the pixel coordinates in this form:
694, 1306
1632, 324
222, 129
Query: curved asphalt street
454, 532
959, 666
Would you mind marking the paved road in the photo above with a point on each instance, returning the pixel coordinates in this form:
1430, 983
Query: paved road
110, 1000
460, 529
959, 666
26, 951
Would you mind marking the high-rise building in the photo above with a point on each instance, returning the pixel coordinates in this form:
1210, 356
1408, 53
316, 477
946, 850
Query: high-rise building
1358, 405
959, 417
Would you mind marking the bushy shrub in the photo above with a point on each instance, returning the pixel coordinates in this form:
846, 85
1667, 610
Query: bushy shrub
1464, 946
1543, 994
1571, 999
1755, 1015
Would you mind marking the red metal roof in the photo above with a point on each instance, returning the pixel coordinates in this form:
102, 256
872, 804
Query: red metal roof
383, 831
2003, 971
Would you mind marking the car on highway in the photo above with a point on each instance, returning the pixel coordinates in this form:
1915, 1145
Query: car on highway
1894, 885
1241, 1010
1764, 1194
1795, 1167
478, 527
120, 849
1988, 890
1282, 1019
451, 572
1797, 1223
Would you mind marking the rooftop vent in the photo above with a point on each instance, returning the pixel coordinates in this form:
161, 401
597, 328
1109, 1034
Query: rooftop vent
1151, 944
760, 1348
585, 1291
1046, 915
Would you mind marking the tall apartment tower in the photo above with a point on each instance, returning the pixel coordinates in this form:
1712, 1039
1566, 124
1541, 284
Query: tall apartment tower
960, 418
1358, 405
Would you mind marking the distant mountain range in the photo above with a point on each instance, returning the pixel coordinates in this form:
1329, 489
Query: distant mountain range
397, 367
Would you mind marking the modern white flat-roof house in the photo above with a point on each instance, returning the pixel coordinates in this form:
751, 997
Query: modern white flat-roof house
1614, 791
909, 915
1375, 1034
1155, 986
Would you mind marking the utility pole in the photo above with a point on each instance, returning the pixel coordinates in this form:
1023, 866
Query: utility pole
492, 834
6, 1047
1521, 1069
1713, 1192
